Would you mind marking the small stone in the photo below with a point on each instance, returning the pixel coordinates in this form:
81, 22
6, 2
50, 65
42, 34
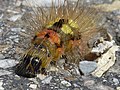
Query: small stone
1, 16
102, 87
104, 80
53, 68
12, 11
47, 80
17, 30
76, 89
52, 88
89, 82
118, 88
118, 27
108, 1
18, 3
56, 87
17, 77
116, 81
116, 12
15, 18
66, 83
40, 3
7, 63
2, 56
34, 86
4, 48
75, 85
41, 76
1, 83
16, 40
14, 37
87, 66
4, 72
61, 62
69, 78
1, 33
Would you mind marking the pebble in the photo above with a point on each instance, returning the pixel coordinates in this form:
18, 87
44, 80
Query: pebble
52, 68
1, 83
14, 37
89, 82
34, 86
75, 85
119, 26
116, 81
40, 3
61, 62
41, 76
118, 88
12, 11
7, 63
2, 56
95, 1
15, 18
66, 83
87, 66
16, 40
1, 33
76, 89
116, 12
4, 72
1, 16
18, 3
102, 87
17, 30
47, 80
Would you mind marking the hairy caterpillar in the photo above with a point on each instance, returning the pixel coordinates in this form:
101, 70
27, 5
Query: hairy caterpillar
62, 31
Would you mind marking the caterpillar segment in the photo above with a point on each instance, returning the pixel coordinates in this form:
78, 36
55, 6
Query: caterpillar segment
61, 31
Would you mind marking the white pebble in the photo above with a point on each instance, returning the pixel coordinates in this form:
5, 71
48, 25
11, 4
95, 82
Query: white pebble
47, 80
7, 63
41, 76
1, 83
89, 82
116, 81
66, 83
2, 56
34, 86
4, 72
118, 88
41, 2
15, 18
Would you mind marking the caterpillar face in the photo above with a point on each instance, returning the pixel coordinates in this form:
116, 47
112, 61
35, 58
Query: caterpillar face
28, 67
32, 61
65, 31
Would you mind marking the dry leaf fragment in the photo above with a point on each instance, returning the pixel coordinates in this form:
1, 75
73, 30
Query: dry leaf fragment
105, 61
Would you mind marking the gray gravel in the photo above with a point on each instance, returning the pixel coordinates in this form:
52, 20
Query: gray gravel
13, 42
87, 67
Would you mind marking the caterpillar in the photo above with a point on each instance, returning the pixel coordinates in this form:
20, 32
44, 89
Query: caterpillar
62, 31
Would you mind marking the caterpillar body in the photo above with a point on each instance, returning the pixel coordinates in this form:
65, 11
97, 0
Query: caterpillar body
61, 31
